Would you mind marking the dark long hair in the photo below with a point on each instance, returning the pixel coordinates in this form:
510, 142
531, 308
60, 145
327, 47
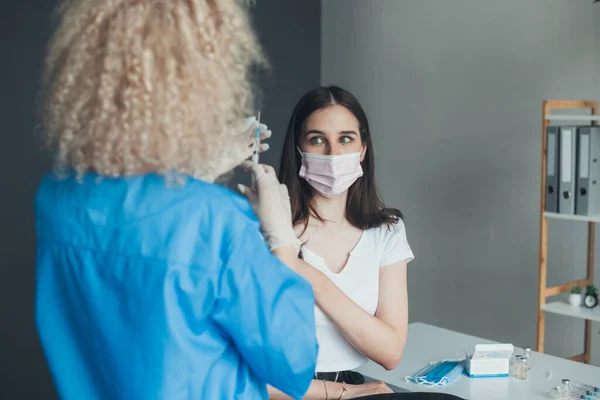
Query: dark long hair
364, 206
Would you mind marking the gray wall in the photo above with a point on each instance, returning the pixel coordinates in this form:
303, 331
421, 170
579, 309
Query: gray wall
454, 90
290, 32
25, 27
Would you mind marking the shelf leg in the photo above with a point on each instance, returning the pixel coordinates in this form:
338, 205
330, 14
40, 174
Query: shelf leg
543, 239
590, 277
541, 320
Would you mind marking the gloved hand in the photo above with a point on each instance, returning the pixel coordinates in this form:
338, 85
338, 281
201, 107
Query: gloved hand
271, 204
240, 149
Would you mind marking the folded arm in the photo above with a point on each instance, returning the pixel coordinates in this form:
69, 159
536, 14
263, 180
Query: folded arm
380, 337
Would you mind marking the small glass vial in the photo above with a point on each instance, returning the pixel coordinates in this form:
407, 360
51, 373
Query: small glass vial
527, 356
522, 369
558, 393
514, 366
566, 388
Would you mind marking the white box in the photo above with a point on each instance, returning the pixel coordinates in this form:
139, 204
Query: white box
490, 360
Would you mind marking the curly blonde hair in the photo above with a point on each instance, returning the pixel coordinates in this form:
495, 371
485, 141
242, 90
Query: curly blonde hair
134, 85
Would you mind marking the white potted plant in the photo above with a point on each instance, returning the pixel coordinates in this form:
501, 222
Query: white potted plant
575, 296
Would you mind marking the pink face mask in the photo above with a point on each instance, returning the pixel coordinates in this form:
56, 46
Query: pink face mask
330, 175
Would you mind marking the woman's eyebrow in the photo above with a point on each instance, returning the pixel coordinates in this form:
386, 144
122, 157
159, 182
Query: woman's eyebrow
318, 132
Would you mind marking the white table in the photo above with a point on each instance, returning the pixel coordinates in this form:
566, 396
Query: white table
428, 343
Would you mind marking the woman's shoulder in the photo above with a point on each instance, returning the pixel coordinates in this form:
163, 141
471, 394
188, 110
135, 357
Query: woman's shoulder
147, 195
223, 200
390, 229
392, 243
389, 234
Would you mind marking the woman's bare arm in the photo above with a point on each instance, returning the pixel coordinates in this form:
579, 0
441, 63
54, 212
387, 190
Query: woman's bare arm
381, 337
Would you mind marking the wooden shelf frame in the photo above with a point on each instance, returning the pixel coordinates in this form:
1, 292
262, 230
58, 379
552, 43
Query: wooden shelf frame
544, 291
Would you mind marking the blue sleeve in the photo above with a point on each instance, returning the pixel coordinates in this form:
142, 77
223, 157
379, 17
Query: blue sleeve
268, 311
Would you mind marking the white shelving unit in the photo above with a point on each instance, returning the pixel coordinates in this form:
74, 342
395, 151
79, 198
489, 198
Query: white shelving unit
582, 218
562, 308
574, 118
558, 307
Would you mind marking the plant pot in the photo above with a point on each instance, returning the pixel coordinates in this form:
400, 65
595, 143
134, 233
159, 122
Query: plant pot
575, 299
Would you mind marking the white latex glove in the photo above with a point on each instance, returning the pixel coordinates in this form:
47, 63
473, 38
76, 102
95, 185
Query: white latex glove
271, 204
240, 149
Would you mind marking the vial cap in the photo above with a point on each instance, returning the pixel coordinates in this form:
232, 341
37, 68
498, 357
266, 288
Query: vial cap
566, 381
527, 349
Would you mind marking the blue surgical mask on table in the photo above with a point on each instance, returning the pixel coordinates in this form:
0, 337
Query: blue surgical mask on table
438, 373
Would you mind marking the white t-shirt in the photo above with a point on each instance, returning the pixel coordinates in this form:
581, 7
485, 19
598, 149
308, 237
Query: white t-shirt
359, 280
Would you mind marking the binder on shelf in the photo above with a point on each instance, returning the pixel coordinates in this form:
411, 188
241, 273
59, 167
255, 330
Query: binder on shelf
566, 166
552, 169
587, 197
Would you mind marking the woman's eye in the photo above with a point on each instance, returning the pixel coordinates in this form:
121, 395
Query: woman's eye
316, 140
345, 139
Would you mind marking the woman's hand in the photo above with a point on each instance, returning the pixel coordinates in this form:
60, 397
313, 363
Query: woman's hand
355, 391
271, 204
317, 391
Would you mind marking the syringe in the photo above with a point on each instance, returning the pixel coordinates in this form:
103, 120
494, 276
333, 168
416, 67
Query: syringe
590, 390
255, 154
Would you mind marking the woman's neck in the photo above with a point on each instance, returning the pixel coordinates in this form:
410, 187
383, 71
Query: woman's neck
333, 209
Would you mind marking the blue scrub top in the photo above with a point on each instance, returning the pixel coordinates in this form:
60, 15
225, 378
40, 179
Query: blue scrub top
152, 290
